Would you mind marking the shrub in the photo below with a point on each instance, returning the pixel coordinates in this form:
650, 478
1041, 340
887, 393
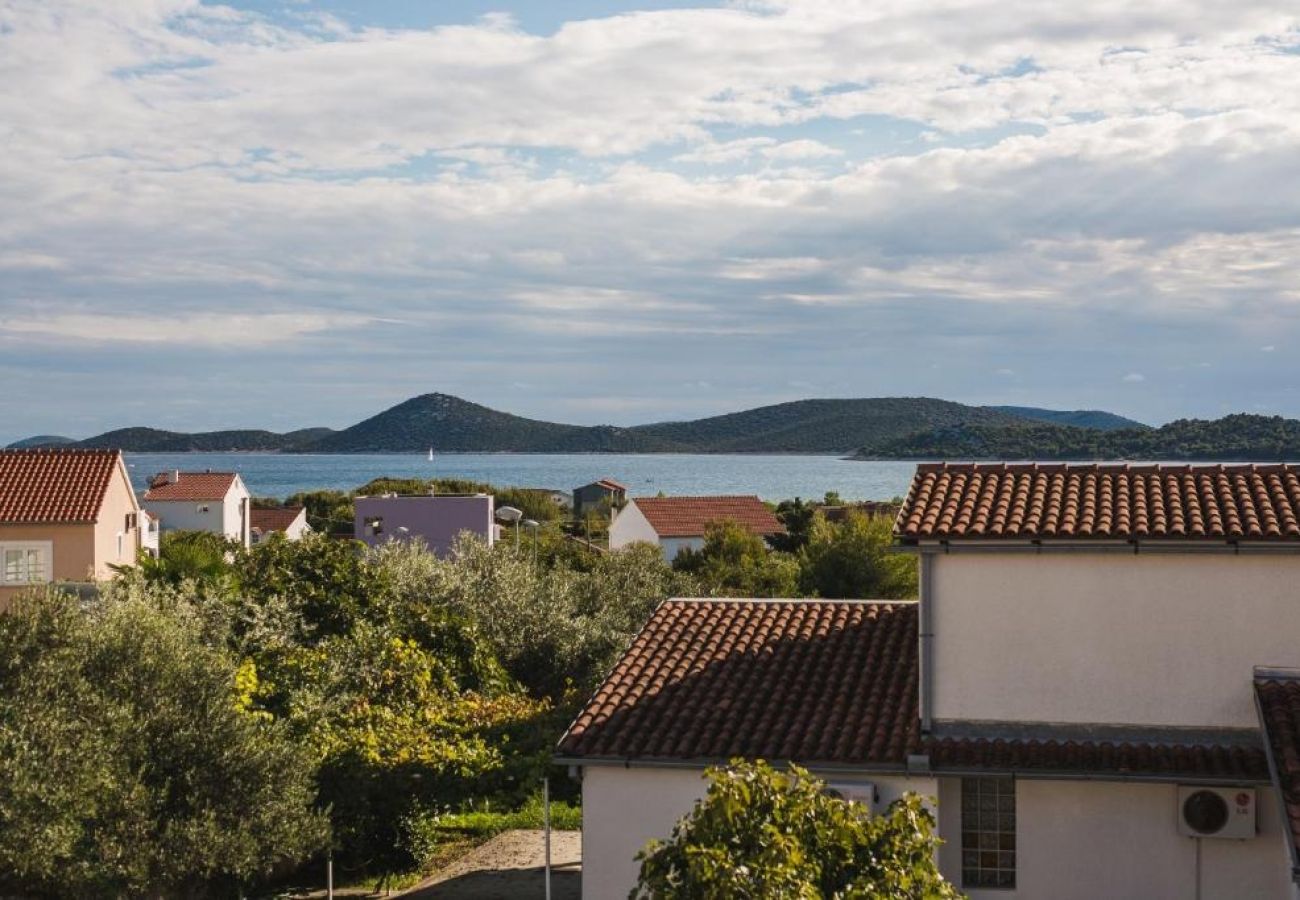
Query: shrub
760, 832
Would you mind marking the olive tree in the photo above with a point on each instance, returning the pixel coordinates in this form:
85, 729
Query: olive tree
760, 832
129, 765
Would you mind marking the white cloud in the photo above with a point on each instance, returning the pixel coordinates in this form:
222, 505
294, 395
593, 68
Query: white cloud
199, 330
1134, 377
835, 174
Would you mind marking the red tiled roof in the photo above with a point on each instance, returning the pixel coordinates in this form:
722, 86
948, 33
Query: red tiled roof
612, 484
783, 679
192, 486
273, 519
1278, 701
45, 486
830, 682
1229, 761
688, 516
1072, 500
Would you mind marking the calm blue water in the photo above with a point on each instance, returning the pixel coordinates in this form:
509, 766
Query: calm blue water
771, 477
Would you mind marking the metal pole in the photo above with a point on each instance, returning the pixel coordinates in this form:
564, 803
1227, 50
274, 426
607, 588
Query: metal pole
546, 825
329, 876
534, 547
516, 535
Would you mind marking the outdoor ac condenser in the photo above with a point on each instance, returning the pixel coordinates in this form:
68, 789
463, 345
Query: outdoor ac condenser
863, 792
1216, 812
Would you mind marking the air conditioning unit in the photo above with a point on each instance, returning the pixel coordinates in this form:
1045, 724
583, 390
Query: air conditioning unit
863, 792
1216, 812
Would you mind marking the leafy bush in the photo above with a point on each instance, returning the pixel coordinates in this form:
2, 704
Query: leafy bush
734, 562
853, 560
760, 832
129, 763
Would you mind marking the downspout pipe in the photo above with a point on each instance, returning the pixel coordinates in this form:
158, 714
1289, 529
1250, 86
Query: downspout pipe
925, 638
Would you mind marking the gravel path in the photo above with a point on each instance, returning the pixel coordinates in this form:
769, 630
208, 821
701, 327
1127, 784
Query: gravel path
509, 867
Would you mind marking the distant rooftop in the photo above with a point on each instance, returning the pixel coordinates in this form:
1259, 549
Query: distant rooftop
690, 516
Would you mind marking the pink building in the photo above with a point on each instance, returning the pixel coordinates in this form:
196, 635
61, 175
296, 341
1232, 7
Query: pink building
436, 520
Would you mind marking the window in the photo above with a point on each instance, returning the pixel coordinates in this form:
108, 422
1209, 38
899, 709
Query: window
202, 507
374, 524
25, 563
988, 833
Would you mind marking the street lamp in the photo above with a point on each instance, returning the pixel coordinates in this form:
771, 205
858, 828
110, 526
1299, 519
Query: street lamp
532, 525
510, 514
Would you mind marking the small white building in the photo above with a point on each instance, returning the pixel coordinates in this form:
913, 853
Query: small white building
1099, 686
290, 521
677, 523
201, 501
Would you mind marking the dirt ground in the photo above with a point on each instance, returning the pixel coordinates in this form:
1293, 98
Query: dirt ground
509, 867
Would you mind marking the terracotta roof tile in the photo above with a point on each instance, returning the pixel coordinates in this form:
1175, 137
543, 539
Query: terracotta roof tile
831, 682
1278, 700
788, 679
274, 518
611, 484
44, 486
688, 516
191, 486
1117, 501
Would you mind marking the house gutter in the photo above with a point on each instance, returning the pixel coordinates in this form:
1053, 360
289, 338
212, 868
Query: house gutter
632, 762
1273, 775
1127, 548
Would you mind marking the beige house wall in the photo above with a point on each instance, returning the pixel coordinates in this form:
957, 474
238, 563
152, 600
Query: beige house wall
83, 551
1147, 639
72, 556
119, 501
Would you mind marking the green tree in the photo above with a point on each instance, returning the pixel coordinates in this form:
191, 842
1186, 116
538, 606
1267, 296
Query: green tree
852, 559
797, 517
199, 556
762, 833
734, 562
129, 763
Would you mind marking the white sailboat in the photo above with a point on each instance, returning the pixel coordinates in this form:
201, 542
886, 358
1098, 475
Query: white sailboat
430, 454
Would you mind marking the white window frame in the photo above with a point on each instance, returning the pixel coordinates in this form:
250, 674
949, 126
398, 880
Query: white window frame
46, 550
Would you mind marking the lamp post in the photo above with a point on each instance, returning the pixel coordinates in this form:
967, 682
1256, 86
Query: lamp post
510, 514
532, 525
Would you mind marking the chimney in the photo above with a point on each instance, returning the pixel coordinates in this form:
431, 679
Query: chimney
175, 476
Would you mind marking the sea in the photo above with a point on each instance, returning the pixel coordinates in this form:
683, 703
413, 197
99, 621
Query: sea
772, 477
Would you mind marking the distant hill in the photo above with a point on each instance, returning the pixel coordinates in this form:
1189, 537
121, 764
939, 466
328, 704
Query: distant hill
1079, 418
41, 440
448, 424
153, 440
820, 426
1237, 437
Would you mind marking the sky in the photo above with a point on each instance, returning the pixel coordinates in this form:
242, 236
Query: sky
284, 214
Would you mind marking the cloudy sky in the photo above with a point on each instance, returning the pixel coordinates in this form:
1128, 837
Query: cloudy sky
282, 213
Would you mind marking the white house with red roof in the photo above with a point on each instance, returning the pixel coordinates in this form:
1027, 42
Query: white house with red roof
290, 521
1099, 685
678, 523
65, 515
201, 501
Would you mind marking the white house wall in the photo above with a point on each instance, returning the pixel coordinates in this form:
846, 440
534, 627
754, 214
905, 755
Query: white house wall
673, 546
1083, 840
629, 527
623, 808
1148, 639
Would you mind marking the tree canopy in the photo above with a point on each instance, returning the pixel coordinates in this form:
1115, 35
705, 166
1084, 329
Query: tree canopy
760, 832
